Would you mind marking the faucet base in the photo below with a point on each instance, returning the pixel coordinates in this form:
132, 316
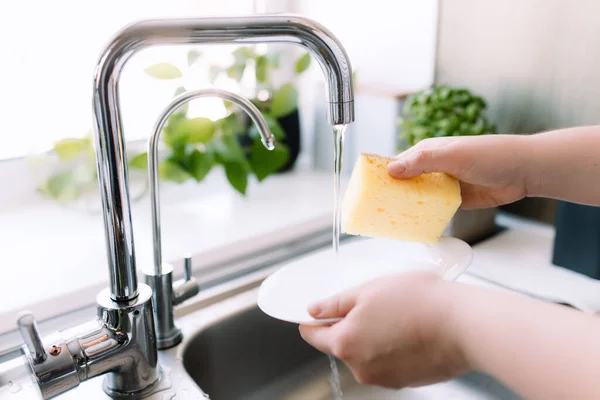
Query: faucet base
132, 372
171, 341
141, 394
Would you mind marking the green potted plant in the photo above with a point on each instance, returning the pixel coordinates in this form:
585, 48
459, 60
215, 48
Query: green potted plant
193, 146
443, 110
196, 145
277, 102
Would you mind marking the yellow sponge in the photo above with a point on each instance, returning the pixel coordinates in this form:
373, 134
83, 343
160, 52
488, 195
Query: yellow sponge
416, 209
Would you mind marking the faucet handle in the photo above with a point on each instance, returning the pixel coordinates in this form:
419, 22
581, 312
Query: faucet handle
188, 287
31, 337
187, 268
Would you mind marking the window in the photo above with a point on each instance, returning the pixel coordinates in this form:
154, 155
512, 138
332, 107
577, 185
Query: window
48, 55
50, 49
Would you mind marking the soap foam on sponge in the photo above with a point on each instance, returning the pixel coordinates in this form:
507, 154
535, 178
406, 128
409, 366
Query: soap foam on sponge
416, 209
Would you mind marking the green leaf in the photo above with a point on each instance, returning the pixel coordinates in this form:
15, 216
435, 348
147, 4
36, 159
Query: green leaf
273, 125
285, 100
198, 130
140, 161
464, 128
178, 91
230, 124
171, 171
236, 71
262, 69
265, 162
192, 57
229, 105
163, 71
472, 111
173, 135
179, 153
303, 63
444, 93
480, 101
200, 164
175, 120
69, 149
237, 176
242, 54
228, 149
61, 187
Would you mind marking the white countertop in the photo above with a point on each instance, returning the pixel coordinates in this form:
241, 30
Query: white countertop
520, 258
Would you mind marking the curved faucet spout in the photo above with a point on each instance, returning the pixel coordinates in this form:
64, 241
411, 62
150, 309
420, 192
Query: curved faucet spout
267, 139
165, 292
109, 138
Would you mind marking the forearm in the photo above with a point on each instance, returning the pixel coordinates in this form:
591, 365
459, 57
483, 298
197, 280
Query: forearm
542, 351
565, 164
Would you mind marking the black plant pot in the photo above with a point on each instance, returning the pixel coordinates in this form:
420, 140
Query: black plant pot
577, 238
291, 126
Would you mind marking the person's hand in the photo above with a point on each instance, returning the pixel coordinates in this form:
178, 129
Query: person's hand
396, 331
492, 169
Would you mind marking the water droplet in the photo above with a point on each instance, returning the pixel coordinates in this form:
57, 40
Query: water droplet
269, 143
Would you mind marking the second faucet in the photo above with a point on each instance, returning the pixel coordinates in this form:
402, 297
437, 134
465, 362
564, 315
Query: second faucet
167, 294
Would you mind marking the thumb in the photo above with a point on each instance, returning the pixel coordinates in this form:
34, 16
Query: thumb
334, 307
420, 162
413, 164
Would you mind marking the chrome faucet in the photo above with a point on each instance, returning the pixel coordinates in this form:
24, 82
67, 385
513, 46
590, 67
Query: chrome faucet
164, 292
109, 139
121, 342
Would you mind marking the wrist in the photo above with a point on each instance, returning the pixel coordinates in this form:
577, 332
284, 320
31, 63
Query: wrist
470, 312
528, 146
450, 305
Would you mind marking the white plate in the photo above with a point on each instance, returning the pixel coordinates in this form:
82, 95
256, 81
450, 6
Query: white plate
287, 293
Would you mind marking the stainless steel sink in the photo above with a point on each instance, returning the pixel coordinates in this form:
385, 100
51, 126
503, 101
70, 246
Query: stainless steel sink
248, 355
